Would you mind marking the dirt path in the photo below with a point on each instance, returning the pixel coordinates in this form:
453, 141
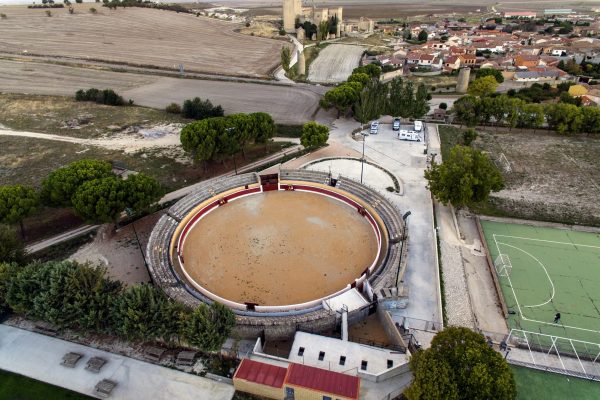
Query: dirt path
126, 143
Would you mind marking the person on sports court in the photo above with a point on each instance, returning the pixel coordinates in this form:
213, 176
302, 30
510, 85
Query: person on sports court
557, 318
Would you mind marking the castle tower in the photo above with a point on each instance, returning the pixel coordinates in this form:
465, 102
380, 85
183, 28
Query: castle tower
291, 10
301, 63
463, 80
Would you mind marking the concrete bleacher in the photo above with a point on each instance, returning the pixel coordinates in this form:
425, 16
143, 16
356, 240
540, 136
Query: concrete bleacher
304, 175
210, 189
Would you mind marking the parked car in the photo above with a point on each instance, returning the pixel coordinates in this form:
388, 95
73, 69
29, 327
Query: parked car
396, 124
374, 127
418, 126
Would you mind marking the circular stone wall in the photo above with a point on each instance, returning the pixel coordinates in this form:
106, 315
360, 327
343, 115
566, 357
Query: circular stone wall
279, 248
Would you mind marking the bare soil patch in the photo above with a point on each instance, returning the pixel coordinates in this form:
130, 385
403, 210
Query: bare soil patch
139, 36
255, 250
554, 178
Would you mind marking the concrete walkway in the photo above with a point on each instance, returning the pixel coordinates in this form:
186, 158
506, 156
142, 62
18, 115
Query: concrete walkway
38, 357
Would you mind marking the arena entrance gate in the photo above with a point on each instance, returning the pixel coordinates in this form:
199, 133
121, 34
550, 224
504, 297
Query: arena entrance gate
269, 182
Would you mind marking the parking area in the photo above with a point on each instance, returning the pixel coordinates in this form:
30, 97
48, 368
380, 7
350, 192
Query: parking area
406, 131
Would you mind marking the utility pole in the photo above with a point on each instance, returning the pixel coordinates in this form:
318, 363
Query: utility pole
362, 160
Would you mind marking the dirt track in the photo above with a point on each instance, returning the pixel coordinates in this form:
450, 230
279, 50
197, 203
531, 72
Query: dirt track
141, 37
255, 250
335, 63
286, 104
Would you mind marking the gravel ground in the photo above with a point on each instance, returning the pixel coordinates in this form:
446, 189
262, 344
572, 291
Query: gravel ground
458, 303
335, 63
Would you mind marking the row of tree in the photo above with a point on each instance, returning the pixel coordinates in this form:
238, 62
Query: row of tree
70, 295
196, 108
222, 137
88, 186
369, 98
515, 112
106, 96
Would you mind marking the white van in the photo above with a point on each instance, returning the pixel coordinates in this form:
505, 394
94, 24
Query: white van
409, 135
418, 126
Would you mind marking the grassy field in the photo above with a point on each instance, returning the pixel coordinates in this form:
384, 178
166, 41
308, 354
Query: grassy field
548, 271
552, 178
51, 114
533, 384
18, 387
28, 161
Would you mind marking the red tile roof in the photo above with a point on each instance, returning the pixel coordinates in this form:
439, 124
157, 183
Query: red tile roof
261, 373
323, 380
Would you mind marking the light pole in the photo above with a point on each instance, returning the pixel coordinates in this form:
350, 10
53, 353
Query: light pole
362, 160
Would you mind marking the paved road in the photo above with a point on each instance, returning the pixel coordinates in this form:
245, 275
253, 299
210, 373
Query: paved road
39, 356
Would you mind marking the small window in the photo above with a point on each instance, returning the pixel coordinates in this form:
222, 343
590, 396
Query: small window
301, 351
363, 365
321, 355
390, 363
342, 360
326, 398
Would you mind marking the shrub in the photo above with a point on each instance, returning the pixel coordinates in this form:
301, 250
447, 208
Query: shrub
281, 32
173, 108
93, 10
2, 15
106, 96
198, 109
49, 13
443, 106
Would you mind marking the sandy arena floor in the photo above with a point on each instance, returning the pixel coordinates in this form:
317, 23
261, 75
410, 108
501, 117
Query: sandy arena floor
279, 248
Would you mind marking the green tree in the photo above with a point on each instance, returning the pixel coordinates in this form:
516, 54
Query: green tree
198, 109
422, 36
286, 58
483, 72
590, 120
483, 86
372, 102
200, 138
323, 31
420, 106
468, 136
564, 118
373, 70
361, 77
342, 97
142, 192
60, 186
460, 365
531, 116
466, 177
263, 127
101, 200
314, 135
143, 312
17, 203
466, 110
209, 326
12, 249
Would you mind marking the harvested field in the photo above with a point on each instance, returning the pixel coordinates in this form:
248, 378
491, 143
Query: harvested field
139, 36
335, 63
286, 104
33, 77
255, 250
403, 10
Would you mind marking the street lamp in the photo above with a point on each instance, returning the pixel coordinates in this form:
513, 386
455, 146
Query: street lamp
362, 160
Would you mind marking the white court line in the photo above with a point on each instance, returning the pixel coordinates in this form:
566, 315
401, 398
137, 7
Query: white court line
549, 241
545, 270
517, 300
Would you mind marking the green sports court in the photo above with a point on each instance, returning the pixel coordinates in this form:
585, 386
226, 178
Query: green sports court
543, 271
